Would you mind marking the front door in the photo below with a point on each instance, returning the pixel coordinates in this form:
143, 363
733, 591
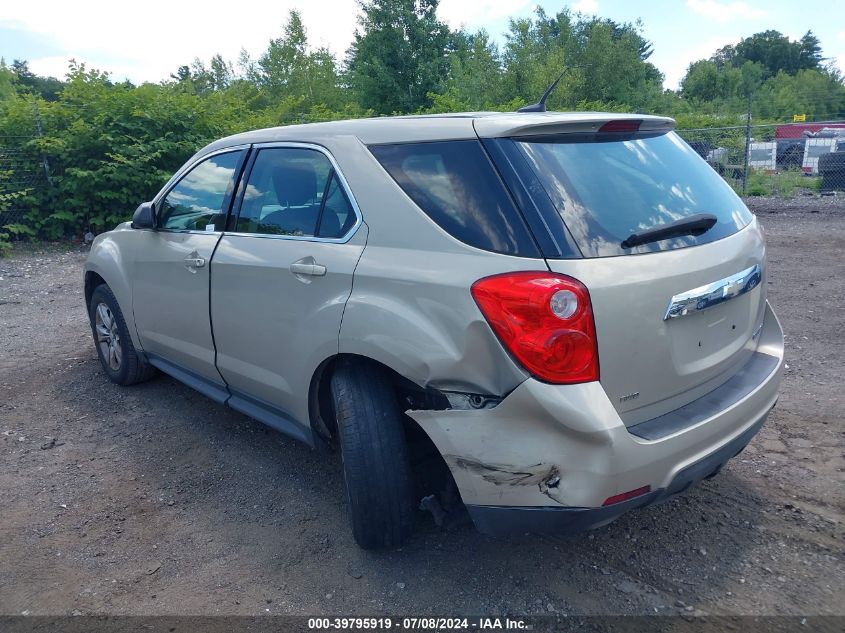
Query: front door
171, 273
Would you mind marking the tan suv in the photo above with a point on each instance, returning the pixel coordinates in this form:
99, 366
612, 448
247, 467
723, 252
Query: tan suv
570, 307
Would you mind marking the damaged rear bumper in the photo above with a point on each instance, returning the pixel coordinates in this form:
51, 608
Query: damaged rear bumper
503, 520
548, 456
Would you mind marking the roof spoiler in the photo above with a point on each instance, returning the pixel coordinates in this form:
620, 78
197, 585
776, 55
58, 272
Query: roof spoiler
554, 123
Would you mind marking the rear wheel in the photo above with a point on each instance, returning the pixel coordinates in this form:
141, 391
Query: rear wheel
118, 357
376, 468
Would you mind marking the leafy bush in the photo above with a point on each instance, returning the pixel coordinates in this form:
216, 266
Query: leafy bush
110, 147
9, 230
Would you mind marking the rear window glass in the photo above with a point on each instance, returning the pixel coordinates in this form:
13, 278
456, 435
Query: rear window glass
607, 190
456, 185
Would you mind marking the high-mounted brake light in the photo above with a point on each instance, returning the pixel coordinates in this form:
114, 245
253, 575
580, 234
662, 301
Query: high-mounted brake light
621, 126
545, 321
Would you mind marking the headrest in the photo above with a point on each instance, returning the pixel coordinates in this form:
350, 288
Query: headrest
295, 184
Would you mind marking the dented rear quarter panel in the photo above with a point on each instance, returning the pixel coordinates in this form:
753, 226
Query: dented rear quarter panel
412, 310
411, 307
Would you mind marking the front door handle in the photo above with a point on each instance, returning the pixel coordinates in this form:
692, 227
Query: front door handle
313, 270
194, 261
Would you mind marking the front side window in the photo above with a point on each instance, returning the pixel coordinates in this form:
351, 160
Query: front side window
197, 201
294, 192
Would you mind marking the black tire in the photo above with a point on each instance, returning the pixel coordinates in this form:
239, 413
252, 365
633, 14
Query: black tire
831, 163
376, 468
132, 367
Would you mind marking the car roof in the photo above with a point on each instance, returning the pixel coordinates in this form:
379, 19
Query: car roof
435, 127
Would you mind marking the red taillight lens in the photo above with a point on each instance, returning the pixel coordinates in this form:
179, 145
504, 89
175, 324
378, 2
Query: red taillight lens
620, 127
545, 320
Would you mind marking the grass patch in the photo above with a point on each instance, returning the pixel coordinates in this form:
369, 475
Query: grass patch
784, 184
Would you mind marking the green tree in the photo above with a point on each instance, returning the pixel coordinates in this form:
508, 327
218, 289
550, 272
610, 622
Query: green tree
784, 78
705, 81
602, 61
26, 81
614, 64
182, 74
7, 77
810, 55
475, 80
222, 73
283, 67
817, 94
288, 69
398, 56
774, 52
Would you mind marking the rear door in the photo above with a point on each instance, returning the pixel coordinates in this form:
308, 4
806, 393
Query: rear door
171, 271
280, 280
654, 358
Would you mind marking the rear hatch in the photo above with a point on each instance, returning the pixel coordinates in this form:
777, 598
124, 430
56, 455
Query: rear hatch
608, 186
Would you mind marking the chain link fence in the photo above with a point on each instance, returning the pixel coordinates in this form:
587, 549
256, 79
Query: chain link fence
23, 174
775, 160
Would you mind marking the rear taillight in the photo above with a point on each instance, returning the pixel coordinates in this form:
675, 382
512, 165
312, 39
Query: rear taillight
545, 321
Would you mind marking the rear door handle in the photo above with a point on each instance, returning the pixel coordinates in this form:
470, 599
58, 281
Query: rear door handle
311, 269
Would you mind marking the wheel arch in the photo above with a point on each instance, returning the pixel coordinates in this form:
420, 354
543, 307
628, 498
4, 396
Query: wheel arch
320, 408
106, 264
430, 471
92, 280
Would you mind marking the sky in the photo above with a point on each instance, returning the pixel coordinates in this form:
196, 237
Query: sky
147, 41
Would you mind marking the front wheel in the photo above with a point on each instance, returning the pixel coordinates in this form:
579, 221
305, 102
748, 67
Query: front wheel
118, 356
376, 468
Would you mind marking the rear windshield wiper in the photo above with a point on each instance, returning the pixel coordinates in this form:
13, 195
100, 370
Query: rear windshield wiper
692, 225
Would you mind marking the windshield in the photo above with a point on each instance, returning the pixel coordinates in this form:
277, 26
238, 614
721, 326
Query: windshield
606, 190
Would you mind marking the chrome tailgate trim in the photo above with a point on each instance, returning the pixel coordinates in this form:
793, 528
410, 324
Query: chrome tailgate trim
714, 293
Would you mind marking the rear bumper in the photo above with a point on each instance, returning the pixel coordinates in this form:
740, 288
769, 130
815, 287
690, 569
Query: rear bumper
548, 456
503, 520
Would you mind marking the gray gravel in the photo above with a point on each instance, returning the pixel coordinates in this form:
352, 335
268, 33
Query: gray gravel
154, 500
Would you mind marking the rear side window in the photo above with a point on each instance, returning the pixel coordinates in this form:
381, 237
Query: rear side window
605, 190
294, 192
457, 187
337, 216
283, 193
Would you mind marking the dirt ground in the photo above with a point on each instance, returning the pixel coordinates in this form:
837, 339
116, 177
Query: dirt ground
155, 500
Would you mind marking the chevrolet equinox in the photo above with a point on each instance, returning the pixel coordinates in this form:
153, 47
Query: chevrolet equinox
570, 307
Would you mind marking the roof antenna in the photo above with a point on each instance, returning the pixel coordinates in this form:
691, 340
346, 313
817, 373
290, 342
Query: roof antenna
540, 106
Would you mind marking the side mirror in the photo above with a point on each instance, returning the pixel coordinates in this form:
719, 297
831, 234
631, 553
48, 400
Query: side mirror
144, 217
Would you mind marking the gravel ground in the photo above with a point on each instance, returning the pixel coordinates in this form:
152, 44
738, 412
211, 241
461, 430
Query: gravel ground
154, 500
